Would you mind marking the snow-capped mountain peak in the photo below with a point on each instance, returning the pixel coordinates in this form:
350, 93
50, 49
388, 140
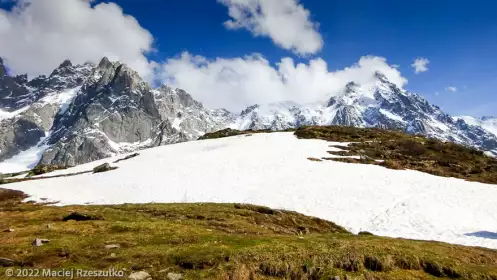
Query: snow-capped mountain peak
379, 104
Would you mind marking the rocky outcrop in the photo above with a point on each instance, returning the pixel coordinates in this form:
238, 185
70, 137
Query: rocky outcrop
32, 106
114, 106
13, 89
188, 118
3, 70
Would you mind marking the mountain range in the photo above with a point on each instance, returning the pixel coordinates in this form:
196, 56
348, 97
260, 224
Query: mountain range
82, 113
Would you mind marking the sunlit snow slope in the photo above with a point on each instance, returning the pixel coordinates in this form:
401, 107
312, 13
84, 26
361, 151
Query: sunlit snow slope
273, 170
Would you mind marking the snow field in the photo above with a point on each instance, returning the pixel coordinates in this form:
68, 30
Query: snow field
273, 170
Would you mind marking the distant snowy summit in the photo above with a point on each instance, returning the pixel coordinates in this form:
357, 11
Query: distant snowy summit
488, 123
381, 104
82, 113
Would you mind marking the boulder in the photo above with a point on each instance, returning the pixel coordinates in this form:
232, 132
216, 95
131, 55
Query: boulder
103, 168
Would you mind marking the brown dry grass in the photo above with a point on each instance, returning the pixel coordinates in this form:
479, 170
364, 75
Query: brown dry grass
398, 150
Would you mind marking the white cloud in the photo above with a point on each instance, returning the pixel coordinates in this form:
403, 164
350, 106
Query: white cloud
37, 35
286, 22
239, 82
420, 65
451, 89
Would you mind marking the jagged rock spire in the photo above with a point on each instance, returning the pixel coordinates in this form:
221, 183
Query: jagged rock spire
104, 63
3, 70
380, 76
65, 64
350, 87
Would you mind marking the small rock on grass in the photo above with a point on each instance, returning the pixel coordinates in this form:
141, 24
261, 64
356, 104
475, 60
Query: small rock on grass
174, 276
140, 275
40, 242
4, 262
9, 230
103, 168
112, 246
64, 253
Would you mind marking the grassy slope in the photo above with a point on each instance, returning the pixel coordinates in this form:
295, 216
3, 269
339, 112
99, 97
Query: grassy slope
398, 150
223, 241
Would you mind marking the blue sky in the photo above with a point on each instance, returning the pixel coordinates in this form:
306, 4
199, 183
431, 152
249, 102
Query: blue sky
459, 38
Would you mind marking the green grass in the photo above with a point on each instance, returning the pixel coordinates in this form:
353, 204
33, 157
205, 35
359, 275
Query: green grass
223, 241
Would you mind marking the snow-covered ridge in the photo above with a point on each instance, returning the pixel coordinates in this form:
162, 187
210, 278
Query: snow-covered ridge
487, 123
381, 104
274, 170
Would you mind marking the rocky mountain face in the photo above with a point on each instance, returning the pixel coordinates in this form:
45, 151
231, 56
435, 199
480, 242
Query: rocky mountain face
28, 108
487, 123
87, 112
115, 111
82, 113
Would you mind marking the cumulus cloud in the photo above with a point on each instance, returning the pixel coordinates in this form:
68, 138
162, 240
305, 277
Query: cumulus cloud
451, 89
37, 35
239, 82
286, 22
420, 65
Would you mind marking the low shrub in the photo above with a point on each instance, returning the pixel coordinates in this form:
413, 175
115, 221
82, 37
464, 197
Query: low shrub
380, 264
43, 169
